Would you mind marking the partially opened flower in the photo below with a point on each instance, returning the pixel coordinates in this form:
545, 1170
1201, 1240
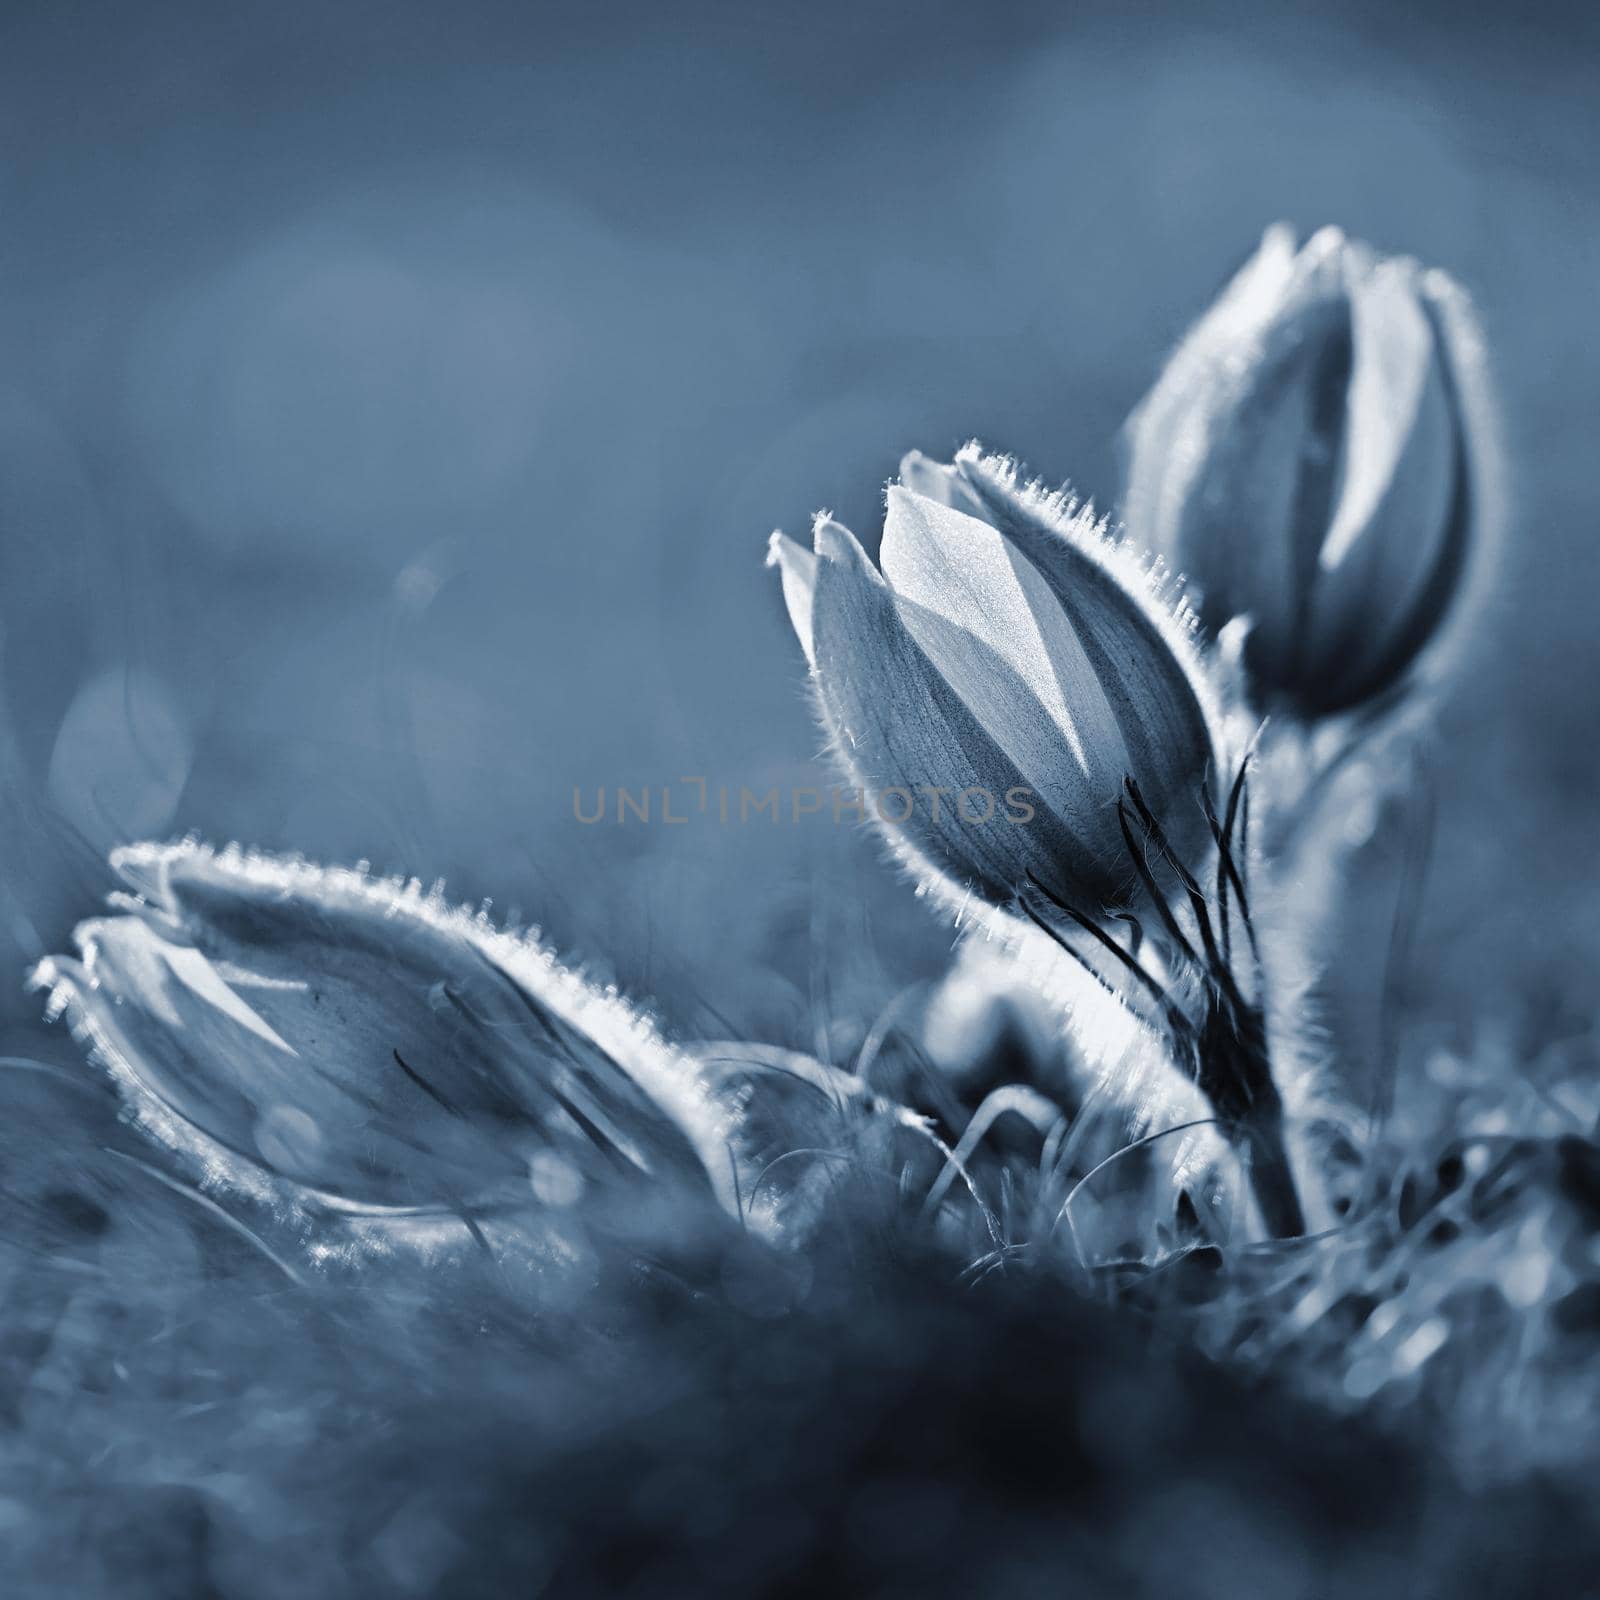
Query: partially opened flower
1009, 648
335, 1041
1318, 456
997, 684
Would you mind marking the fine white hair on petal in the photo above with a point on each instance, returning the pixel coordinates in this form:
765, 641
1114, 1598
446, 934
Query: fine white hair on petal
1148, 580
1009, 645
190, 888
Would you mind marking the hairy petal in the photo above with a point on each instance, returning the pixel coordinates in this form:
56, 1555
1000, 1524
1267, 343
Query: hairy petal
899, 724
1137, 645
330, 1040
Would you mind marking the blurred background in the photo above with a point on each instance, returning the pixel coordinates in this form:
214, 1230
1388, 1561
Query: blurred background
395, 400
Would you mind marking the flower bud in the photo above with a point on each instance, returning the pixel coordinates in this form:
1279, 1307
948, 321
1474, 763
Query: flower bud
328, 1039
1317, 457
1007, 649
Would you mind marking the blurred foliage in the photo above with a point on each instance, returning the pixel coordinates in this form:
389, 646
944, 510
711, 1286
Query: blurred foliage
399, 399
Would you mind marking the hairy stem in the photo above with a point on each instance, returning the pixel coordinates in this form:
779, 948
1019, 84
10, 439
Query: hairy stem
1233, 1070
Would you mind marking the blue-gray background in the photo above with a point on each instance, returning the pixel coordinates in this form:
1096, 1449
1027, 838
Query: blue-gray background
394, 400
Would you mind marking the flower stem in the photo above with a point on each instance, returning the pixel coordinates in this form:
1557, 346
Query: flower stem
1272, 1180
1233, 1070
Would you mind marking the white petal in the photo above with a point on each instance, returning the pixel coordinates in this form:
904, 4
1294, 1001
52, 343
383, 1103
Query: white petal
1214, 448
1139, 649
954, 569
1394, 392
1389, 532
197, 974
898, 722
934, 480
1166, 435
1257, 289
797, 568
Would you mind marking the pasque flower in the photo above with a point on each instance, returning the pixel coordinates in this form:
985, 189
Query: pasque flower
337, 1041
1317, 457
1007, 649
1009, 646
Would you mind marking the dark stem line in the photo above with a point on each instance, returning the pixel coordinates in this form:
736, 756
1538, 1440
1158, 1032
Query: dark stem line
1141, 866
1177, 1024
1175, 1019
1219, 971
1226, 1046
1235, 798
1222, 884
1072, 950
1229, 875
1233, 1067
